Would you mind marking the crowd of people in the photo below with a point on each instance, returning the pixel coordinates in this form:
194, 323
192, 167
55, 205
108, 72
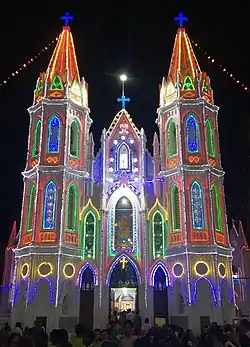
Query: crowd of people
128, 333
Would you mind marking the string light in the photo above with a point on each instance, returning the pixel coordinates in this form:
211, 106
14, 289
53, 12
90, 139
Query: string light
222, 67
26, 65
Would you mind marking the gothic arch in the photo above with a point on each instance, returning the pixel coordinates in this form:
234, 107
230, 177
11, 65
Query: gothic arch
49, 210
192, 133
201, 281
54, 133
49, 289
123, 163
68, 287
116, 261
154, 268
75, 138
180, 286
36, 138
171, 138
216, 206
210, 137
226, 292
197, 199
175, 207
93, 270
72, 216
31, 208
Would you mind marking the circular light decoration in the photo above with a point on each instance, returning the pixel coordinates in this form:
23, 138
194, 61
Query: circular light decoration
69, 270
25, 270
222, 270
178, 270
201, 268
45, 269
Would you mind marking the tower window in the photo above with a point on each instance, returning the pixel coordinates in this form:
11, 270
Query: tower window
36, 143
158, 235
72, 208
89, 236
124, 238
175, 208
54, 134
31, 207
192, 134
74, 149
216, 206
49, 210
197, 205
123, 157
171, 138
210, 138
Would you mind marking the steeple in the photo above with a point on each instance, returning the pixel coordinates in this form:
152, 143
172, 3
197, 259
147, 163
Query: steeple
62, 79
185, 78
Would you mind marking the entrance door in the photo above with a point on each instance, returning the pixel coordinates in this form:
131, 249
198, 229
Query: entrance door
123, 288
160, 297
86, 314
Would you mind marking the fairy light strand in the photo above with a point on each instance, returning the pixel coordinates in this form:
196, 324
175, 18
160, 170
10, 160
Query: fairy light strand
26, 65
222, 68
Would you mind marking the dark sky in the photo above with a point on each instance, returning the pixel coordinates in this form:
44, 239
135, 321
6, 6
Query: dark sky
135, 37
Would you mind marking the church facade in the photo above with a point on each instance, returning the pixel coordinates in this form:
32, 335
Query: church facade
123, 229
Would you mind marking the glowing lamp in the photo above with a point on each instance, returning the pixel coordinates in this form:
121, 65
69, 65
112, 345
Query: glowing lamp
69, 270
123, 78
45, 269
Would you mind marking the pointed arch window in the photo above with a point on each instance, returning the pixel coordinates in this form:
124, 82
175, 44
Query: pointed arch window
124, 237
216, 208
175, 208
192, 134
72, 209
158, 235
197, 205
37, 134
74, 148
54, 134
31, 208
89, 235
123, 157
210, 138
49, 209
57, 83
188, 83
171, 138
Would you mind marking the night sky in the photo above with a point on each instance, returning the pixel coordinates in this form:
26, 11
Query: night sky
133, 37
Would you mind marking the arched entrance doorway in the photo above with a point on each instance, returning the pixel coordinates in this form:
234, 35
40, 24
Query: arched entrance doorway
160, 283
87, 284
123, 287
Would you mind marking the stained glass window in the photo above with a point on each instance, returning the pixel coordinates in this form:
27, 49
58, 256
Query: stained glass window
72, 209
158, 235
197, 205
49, 210
216, 208
74, 139
36, 143
210, 138
54, 134
188, 83
123, 225
175, 208
31, 206
56, 83
89, 236
171, 138
192, 134
123, 157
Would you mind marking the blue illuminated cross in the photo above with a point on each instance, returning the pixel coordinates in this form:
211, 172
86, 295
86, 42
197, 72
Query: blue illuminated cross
123, 100
67, 18
181, 19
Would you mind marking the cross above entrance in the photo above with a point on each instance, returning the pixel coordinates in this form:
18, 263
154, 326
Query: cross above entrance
123, 261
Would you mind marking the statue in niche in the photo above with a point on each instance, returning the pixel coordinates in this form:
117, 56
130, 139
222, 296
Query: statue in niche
124, 232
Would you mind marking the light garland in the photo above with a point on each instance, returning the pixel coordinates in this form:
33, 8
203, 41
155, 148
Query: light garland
182, 270
30, 61
69, 265
202, 263
45, 274
24, 275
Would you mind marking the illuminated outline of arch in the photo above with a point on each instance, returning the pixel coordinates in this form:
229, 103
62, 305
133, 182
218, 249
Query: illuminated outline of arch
210, 137
163, 229
81, 271
36, 138
173, 208
217, 205
84, 233
53, 84
155, 268
54, 147
213, 291
171, 138
75, 206
77, 134
184, 288
191, 121
17, 290
45, 202
61, 296
32, 299
129, 194
230, 290
201, 202
123, 145
116, 261
31, 206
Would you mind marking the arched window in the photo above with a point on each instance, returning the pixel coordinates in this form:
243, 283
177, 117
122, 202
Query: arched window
175, 208
216, 208
54, 134
74, 148
123, 157
72, 209
124, 239
36, 143
197, 205
192, 134
49, 209
158, 235
171, 138
56, 83
89, 236
31, 206
210, 138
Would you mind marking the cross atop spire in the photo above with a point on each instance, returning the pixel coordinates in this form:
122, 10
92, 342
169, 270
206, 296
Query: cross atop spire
123, 98
181, 19
67, 17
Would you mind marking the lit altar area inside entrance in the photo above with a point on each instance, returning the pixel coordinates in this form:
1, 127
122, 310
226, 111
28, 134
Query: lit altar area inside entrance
123, 299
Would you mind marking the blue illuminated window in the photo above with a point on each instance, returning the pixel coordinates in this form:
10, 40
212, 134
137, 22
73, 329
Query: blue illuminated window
123, 157
197, 205
49, 210
192, 134
54, 134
